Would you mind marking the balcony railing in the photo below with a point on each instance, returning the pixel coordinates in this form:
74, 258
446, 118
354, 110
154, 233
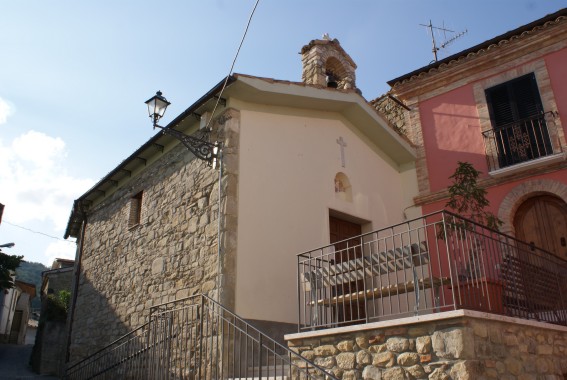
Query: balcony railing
435, 263
522, 141
196, 338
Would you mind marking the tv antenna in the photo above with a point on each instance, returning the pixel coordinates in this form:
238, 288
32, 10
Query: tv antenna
436, 48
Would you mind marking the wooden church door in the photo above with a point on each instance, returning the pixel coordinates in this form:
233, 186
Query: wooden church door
341, 230
542, 221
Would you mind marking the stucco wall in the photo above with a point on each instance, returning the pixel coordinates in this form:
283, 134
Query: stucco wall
555, 63
288, 162
451, 121
451, 133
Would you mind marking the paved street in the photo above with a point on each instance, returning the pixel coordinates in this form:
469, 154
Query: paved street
14, 361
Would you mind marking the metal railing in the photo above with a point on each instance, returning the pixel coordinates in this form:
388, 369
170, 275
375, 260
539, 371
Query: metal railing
196, 338
435, 263
126, 357
522, 141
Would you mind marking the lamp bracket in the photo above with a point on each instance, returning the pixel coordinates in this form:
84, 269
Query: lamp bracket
202, 149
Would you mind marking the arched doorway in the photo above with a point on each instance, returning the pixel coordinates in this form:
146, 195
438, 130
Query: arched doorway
542, 220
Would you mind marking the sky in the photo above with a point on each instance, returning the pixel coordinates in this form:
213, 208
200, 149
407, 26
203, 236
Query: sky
74, 76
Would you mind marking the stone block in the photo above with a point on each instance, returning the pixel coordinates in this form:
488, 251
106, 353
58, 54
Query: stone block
383, 359
544, 349
345, 345
480, 329
416, 371
425, 358
361, 341
542, 365
378, 348
346, 360
325, 350
466, 370
514, 366
349, 375
325, 362
371, 373
450, 344
363, 357
398, 344
308, 354
395, 373
439, 374
407, 359
423, 344
182, 293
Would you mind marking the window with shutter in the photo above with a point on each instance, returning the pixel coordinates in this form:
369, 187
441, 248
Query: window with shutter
135, 210
517, 117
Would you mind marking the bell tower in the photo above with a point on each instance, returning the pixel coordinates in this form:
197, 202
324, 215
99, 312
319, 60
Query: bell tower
326, 64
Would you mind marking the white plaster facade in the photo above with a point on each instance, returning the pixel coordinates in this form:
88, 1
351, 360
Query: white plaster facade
289, 157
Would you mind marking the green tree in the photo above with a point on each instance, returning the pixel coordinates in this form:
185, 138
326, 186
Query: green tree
8, 264
31, 272
468, 199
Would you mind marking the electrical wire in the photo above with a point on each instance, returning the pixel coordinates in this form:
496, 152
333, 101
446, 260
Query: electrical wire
233, 62
39, 233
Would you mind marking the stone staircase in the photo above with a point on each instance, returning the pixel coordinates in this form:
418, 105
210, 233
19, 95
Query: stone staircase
196, 338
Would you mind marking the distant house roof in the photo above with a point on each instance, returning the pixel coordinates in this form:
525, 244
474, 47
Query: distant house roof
26, 287
62, 263
46, 273
489, 44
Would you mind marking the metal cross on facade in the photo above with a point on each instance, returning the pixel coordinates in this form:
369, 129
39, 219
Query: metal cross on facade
342, 144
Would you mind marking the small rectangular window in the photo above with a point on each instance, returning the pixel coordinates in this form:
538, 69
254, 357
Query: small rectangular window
135, 210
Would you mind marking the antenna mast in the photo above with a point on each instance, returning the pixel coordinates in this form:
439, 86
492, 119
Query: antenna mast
435, 49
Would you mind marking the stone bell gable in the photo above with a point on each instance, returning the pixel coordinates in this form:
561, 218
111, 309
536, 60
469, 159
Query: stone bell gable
325, 63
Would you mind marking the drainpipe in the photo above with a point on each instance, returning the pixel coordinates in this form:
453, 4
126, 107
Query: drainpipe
71, 315
219, 224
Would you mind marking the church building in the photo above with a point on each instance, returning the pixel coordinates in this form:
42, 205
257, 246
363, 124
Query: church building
301, 164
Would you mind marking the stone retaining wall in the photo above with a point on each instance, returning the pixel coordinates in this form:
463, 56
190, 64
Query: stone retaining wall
469, 346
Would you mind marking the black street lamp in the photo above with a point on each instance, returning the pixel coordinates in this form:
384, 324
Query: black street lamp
202, 149
7, 245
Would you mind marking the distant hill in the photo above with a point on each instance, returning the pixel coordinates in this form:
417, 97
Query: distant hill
31, 273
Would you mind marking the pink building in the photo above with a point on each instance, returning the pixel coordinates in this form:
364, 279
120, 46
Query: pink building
502, 106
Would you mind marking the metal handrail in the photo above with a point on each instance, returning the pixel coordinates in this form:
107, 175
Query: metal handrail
522, 141
113, 355
196, 338
429, 264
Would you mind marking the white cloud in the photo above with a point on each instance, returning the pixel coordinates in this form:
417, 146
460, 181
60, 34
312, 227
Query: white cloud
5, 110
59, 250
34, 182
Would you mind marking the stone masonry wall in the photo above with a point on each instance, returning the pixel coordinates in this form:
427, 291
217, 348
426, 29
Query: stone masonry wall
459, 348
393, 111
60, 281
171, 254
